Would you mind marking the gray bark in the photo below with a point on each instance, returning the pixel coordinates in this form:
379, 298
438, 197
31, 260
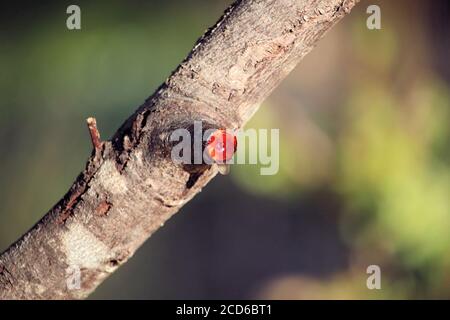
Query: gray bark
130, 186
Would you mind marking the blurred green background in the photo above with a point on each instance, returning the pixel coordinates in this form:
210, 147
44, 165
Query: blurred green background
364, 150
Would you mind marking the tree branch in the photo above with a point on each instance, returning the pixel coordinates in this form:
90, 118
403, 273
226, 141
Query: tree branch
130, 186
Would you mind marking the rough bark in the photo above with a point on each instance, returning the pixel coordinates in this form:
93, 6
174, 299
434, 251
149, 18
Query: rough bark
130, 186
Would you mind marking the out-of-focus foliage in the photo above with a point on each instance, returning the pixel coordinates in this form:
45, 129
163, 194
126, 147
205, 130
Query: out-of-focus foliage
388, 160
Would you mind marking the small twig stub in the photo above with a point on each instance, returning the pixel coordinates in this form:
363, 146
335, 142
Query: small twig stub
95, 134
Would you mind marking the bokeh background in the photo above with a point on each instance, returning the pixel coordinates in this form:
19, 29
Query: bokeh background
364, 150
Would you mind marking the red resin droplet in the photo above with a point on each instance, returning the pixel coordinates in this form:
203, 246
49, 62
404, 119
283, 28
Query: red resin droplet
221, 146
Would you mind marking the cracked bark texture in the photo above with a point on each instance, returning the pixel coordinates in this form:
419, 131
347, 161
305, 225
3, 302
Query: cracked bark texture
130, 186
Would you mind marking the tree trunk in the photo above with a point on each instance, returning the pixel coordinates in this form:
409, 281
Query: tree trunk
130, 186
